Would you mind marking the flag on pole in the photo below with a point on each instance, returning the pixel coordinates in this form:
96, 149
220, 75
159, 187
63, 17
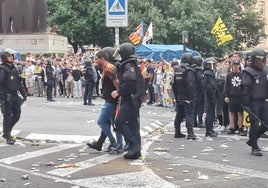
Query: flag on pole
148, 35
136, 37
221, 32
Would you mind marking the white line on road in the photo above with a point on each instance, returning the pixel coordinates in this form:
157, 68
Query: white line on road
221, 167
29, 155
146, 178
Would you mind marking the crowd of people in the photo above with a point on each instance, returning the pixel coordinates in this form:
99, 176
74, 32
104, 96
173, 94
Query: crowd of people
204, 92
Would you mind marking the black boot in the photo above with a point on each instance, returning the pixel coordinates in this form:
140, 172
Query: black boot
178, 134
9, 139
134, 156
191, 135
98, 145
134, 152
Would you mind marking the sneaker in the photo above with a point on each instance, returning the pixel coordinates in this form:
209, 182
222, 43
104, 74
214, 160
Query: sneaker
211, 134
223, 129
112, 147
218, 128
94, 145
126, 147
230, 131
242, 132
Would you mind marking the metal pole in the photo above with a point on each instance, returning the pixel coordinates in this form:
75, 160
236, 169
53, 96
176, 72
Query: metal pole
116, 36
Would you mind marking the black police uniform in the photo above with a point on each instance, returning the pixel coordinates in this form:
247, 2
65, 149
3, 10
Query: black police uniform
255, 95
211, 94
10, 84
199, 103
89, 75
184, 88
127, 121
50, 81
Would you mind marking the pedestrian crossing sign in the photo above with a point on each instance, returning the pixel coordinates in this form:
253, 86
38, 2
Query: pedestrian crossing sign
117, 7
116, 13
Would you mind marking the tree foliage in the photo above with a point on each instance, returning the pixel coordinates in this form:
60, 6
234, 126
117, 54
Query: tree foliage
83, 22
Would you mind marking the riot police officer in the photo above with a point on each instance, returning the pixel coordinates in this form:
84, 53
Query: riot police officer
199, 103
211, 94
90, 77
184, 88
255, 95
50, 73
10, 84
127, 121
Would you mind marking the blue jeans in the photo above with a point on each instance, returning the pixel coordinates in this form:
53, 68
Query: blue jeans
106, 120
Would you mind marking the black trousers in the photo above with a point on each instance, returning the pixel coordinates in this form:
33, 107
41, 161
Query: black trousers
186, 111
88, 92
258, 108
50, 85
11, 111
127, 122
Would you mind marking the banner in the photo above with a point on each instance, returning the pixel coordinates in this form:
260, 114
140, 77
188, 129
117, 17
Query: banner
149, 34
221, 32
136, 37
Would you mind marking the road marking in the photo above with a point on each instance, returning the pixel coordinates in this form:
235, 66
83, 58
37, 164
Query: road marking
221, 167
83, 165
149, 129
155, 125
146, 178
60, 138
29, 155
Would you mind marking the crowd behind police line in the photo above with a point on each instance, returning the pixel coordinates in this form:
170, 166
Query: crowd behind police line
197, 88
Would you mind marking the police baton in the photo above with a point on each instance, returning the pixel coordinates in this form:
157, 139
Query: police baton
254, 115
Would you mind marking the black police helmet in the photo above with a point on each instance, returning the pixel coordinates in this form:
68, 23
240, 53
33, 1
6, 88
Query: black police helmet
110, 51
198, 60
187, 58
88, 62
209, 63
126, 51
7, 52
258, 53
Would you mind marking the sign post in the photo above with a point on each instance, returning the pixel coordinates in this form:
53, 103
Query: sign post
116, 16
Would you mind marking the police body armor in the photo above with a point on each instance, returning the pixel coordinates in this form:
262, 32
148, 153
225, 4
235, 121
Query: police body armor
127, 74
181, 85
259, 89
199, 79
13, 82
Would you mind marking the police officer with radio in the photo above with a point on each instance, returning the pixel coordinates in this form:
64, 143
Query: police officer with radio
255, 96
184, 88
127, 121
10, 84
211, 94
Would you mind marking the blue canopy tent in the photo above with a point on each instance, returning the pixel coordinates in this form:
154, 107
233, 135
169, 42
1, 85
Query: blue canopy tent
169, 52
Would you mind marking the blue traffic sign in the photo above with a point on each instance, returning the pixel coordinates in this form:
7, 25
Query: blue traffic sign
116, 7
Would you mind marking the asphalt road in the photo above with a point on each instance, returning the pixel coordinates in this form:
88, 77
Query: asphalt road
50, 152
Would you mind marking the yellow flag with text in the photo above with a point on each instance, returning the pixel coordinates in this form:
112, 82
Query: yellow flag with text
221, 32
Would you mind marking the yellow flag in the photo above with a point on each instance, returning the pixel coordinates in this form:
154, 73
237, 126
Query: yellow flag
221, 32
246, 122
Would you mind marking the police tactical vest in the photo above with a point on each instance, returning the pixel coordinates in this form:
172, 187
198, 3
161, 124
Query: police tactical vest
12, 81
259, 89
180, 80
